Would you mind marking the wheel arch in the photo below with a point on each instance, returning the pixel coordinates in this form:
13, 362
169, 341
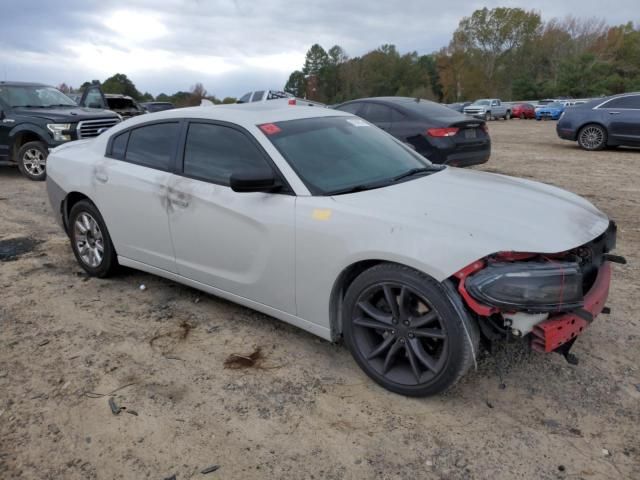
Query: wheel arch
344, 280
23, 134
67, 204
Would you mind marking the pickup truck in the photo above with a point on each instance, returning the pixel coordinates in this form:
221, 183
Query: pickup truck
35, 118
488, 109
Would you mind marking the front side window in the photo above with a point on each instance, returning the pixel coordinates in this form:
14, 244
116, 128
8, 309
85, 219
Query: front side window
349, 108
153, 145
214, 152
333, 155
376, 113
629, 101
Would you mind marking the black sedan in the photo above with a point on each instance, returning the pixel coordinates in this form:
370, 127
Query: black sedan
604, 122
433, 130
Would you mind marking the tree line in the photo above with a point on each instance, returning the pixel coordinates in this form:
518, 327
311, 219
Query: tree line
508, 53
121, 84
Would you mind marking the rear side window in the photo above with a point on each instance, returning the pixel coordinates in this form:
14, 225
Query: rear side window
257, 96
428, 109
245, 98
213, 152
152, 145
119, 145
631, 101
376, 113
397, 115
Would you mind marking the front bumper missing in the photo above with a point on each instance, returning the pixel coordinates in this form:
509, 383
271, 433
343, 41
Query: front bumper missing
551, 334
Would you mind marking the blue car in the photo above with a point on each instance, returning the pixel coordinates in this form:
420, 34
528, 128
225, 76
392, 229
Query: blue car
550, 111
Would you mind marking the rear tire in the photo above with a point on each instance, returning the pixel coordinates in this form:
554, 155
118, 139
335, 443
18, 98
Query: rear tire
507, 116
90, 240
32, 160
523, 116
592, 137
405, 331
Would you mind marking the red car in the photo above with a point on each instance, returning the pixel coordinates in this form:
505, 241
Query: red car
523, 111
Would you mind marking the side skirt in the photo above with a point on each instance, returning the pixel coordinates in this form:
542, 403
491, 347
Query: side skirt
318, 330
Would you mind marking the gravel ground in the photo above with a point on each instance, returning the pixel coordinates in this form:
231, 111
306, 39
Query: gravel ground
306, 411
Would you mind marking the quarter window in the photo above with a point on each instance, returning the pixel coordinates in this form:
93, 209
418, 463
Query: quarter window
119, 145
214, 152
152, 145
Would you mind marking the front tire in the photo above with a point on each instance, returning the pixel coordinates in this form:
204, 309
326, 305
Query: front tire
32, 160
405, 332
592, 137
90, 240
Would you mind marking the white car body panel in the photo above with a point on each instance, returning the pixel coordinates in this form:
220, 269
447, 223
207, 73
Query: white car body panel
282, 254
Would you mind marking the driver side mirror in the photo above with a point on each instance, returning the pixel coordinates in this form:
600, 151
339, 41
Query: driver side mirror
254, 181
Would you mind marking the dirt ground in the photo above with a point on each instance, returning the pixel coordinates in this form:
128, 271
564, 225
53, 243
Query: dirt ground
66, 341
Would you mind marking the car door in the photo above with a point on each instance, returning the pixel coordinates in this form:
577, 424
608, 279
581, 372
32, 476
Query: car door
240, 243
378, 114
131, 187
92, 97
623, 116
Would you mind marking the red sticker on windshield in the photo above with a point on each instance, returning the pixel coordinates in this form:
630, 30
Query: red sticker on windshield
269, 128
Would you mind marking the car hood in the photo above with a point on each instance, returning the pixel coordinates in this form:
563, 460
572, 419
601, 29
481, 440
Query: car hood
66, 115
484, 213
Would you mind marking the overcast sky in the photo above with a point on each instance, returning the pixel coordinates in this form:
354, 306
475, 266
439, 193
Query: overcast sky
231, 46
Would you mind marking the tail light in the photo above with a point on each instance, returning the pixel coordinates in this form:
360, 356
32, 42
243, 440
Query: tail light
292, 101
442, 132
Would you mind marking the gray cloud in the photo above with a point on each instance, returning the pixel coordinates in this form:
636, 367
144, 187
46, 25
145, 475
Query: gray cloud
230, 46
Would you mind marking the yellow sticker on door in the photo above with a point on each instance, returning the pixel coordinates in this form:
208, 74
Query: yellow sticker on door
321, 214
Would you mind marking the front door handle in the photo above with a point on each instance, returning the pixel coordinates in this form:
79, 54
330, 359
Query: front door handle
614, 113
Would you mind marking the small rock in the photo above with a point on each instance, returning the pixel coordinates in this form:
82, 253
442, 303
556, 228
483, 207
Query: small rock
561, 468
197, 300
3, 374
143, 287
606, 452
638, 387
429, 463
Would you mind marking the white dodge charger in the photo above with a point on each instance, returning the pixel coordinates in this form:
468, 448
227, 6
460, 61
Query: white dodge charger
320, 219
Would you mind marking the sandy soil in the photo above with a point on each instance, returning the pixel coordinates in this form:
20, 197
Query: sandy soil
308, 411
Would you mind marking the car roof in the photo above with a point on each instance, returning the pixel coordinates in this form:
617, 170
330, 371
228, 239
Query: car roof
22, 84
244, 114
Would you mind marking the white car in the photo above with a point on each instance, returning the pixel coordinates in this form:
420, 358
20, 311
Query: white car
320, 219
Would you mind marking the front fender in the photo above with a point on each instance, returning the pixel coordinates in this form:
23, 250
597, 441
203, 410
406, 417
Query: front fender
30, 128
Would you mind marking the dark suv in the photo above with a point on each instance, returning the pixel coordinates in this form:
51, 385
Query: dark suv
35, 118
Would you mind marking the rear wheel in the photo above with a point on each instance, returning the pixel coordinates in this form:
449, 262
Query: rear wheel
32, 160
405, 332
592, 137
523, 116
90, 240
507, 116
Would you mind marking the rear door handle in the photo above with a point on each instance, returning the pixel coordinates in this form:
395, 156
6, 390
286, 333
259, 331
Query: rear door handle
179, 199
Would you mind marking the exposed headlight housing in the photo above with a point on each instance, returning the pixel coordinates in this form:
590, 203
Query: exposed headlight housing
530, 286
60, 131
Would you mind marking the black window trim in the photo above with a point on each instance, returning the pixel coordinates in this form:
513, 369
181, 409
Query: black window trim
182, 142
172, 158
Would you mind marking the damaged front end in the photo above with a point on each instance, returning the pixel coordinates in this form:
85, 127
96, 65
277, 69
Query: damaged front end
550, 298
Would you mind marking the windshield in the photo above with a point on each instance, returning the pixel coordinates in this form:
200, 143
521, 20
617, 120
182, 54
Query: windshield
482, 102
335, 155
31, 96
